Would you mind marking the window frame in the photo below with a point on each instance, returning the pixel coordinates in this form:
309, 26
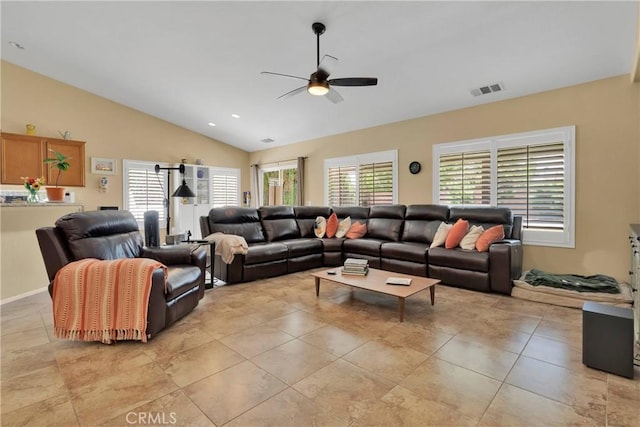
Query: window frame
565, 135
363, 159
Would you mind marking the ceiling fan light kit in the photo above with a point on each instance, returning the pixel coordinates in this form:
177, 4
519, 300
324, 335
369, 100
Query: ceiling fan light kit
318, 84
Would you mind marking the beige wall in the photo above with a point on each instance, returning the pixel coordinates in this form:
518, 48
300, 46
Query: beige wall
110, 130
606, 114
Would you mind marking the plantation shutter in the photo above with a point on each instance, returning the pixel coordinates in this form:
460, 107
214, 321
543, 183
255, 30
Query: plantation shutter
145, 190
226, 188
342, 186
531, 183
465, 178
376, 184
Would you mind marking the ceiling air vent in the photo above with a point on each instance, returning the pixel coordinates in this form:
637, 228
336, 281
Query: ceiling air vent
485, 90
267, 140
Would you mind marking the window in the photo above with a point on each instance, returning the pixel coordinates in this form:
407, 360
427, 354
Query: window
362, 180
144, 190
225, 183
279, 185
531, 172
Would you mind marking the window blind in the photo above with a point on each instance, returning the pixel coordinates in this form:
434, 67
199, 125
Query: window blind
376, 184
226, 188
465, 178
531, 182
145, 190
342, 186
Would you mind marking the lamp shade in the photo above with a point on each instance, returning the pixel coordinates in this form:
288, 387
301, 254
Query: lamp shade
183, 191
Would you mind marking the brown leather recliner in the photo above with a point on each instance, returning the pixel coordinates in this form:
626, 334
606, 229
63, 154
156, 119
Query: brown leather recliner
111, 235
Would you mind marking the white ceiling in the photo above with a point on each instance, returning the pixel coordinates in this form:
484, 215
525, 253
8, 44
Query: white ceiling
191, 63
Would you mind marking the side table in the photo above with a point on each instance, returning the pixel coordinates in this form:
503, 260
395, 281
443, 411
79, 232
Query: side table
212, 254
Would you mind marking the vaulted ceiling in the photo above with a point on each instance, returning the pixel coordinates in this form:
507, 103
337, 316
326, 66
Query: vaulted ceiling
194, 63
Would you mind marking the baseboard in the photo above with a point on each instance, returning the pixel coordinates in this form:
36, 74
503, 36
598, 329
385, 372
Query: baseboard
26, 294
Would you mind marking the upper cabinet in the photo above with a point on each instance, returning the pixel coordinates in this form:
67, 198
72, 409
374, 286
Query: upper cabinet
23, 155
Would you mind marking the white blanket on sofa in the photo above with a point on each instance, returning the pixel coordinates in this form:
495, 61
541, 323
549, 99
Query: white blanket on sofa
228, 246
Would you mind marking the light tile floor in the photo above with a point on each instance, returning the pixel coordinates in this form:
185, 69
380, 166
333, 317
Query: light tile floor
271, 353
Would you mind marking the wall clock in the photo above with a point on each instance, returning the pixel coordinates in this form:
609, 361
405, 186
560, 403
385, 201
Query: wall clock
414, 167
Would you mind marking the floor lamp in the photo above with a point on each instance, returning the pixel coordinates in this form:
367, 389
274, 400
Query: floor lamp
182, 191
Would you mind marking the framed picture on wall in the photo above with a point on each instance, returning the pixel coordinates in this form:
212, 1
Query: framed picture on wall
103, 166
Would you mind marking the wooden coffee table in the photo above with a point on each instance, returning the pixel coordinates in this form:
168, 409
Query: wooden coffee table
375, 281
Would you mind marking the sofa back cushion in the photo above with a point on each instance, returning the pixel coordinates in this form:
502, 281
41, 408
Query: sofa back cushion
279, 223
243, 222
356, 213
486, 217
422, 221
101, 234
385, 222
306, 218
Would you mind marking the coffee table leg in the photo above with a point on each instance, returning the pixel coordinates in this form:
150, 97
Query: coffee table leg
317, 286
432, 291
401, 308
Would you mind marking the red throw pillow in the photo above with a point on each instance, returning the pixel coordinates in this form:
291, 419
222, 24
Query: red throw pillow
456, 234
356, 231
493, 234
332, 225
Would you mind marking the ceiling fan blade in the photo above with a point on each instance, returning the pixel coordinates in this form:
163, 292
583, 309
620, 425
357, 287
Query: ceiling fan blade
293, 92
333, 96
284, 75
326, 66
354, 81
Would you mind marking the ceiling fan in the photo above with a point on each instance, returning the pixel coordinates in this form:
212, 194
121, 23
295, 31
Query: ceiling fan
319, 83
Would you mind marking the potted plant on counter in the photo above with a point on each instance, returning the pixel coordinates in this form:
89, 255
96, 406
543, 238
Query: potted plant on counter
60, 162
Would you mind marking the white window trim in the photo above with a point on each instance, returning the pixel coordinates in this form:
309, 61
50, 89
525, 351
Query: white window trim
360, 159
562, 239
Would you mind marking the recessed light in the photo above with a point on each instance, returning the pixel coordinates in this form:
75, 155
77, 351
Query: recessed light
211, 124
235, 116
17, 45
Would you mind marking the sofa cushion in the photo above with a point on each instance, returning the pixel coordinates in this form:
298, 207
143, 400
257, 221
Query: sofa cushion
468, 242
487, 217
300, 247
363, 246
460, 259
332, 225
385, 222
102, 234
357, 213
243, 222
406, 251
263, 252
441, 235
456, 233
489, 236
332, 245
279, 223
306, 217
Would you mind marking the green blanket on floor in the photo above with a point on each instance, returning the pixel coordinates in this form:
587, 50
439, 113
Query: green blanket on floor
574, 282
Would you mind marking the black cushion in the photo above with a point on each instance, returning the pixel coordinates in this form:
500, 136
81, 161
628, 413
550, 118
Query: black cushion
306, 218
181, 279
300, 247
333, 244
484, 216
406, 251
243, 222
362, 246
459, 258
263, 252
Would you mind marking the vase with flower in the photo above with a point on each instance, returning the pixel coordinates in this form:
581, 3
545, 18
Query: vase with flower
33, 186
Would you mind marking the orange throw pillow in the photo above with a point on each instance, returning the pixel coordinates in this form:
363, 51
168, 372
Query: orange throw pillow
456, 233
332, 225
492, 234
356, 231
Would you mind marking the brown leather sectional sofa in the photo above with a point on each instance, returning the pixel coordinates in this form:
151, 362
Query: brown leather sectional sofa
281, 240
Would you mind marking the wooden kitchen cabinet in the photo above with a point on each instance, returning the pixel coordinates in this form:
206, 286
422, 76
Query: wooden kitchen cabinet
23, 155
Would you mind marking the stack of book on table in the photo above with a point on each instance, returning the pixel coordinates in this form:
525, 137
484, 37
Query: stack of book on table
355, 266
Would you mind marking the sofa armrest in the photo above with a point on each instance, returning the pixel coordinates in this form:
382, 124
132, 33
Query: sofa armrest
178, 254
505, 264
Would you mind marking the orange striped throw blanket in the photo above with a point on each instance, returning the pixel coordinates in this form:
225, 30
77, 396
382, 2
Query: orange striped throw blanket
96, 300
